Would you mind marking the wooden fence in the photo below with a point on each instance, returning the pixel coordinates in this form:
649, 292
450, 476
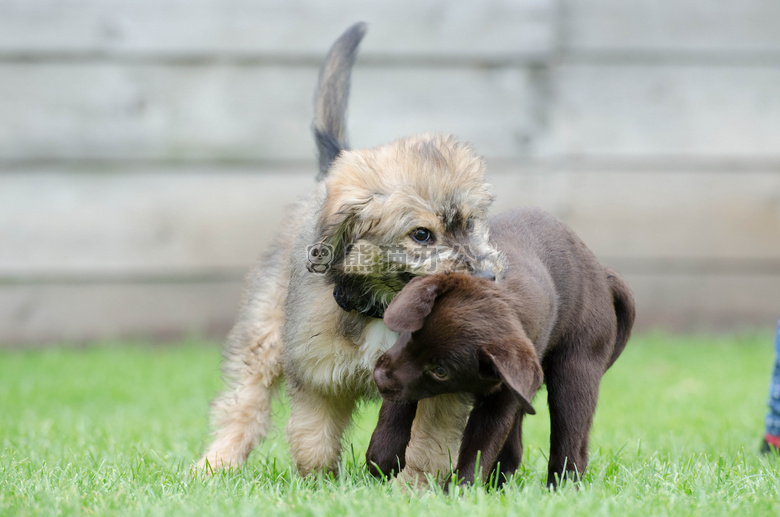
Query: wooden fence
148, 147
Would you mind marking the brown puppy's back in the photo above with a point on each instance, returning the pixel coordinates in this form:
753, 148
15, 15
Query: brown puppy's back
540, 248
594, 314
556, 310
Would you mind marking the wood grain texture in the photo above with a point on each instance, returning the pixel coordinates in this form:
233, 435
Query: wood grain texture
148, 148
663, 110
159, 252
705, 303
62, 111
662, 215
438, 27
75, 313
56, 314
151, 220
156, 112
141, 221
723, 26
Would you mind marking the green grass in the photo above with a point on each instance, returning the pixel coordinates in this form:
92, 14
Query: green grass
114, 430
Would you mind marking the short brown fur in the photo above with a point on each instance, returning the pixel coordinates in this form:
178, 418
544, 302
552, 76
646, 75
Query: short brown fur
558, 315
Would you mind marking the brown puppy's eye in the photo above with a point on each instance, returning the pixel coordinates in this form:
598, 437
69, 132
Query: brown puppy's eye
439, 373
422, 236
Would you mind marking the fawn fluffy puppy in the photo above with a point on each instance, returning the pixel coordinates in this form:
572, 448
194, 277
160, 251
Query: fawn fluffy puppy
557, 315
312, 307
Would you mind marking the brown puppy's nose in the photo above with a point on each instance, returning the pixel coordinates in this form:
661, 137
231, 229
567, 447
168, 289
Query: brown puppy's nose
383, 377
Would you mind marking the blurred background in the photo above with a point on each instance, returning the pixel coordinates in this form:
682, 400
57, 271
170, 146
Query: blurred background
148, 147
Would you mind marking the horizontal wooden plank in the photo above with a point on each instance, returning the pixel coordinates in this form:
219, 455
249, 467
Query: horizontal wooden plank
141, 221
226, 112
705, 303
448, 27
665, 215
670, 25
160, 221
68, 314
625, 111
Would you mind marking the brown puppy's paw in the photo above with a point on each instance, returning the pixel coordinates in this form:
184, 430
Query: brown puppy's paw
381, 464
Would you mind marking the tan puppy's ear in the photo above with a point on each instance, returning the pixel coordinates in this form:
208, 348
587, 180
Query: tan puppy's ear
339, 224
336, 230
515, 363
407, 311
342, 217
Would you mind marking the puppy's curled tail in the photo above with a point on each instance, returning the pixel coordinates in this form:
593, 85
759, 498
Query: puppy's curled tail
625, 310
330, 104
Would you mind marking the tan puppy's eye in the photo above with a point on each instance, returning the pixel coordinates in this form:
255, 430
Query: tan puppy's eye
422, 236
439, 373
470, 224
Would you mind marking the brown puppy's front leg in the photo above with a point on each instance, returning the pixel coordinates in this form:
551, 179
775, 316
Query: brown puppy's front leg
387, 451
512, 454
486, 433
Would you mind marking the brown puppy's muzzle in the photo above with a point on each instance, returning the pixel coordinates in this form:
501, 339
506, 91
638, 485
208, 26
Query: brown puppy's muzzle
386, 382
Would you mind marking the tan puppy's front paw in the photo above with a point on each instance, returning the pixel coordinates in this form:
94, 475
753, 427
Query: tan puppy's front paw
211, 464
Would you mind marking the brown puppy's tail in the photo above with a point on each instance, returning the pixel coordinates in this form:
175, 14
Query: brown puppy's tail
625, 310
330, 104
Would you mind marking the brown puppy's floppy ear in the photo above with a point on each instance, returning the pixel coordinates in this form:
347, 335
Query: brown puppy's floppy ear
516, 364
407, 311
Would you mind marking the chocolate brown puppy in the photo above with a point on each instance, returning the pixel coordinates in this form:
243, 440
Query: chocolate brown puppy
558, 316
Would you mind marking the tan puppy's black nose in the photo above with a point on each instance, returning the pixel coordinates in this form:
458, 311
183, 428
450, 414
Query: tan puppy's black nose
484, 273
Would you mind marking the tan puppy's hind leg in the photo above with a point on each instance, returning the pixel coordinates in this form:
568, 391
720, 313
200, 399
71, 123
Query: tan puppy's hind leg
242, 415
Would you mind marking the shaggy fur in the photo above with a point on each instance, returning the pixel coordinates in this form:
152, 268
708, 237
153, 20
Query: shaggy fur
340, 258
459, 334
